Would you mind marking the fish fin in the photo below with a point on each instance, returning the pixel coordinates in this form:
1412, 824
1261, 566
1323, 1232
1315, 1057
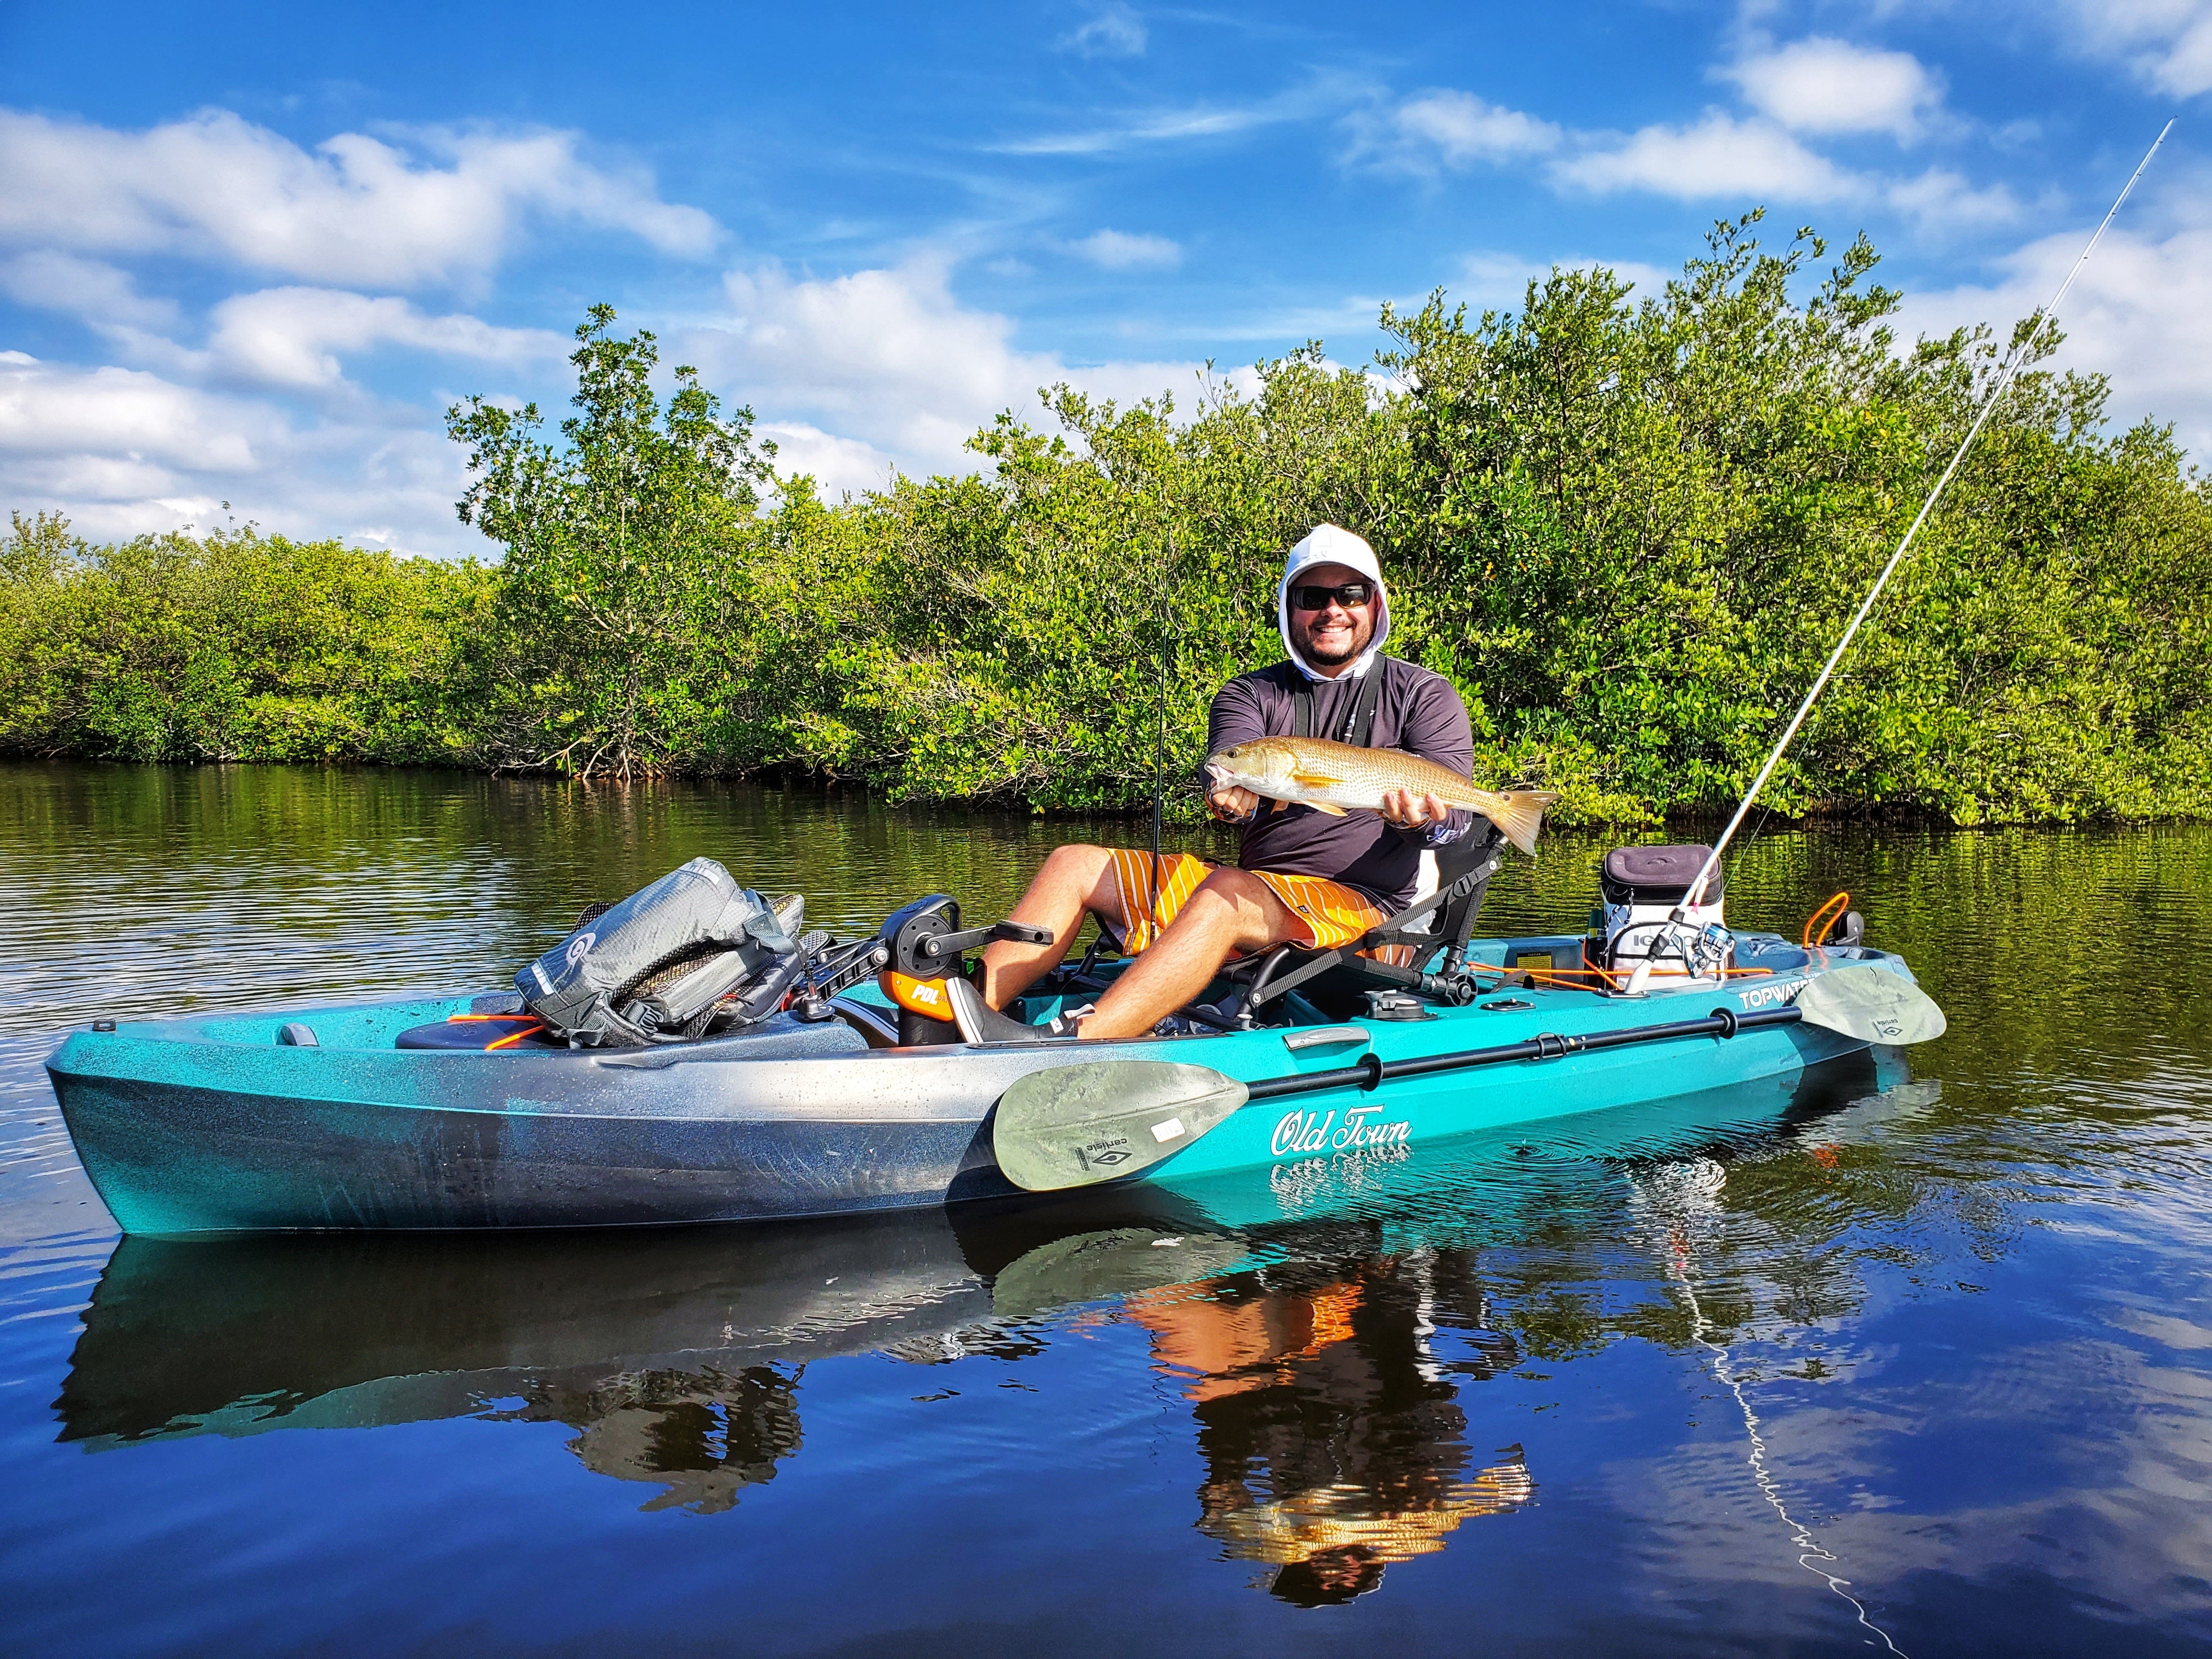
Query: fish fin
1519, 813
1281, 806
1315, 780
1323, 806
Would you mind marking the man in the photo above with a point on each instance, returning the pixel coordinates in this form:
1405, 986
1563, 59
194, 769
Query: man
1301, 875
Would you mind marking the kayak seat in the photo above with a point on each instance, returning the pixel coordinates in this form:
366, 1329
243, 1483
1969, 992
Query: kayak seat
1337, 981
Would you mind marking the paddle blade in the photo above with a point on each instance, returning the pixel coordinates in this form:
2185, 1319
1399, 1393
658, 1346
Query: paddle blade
1075, 1125
1871, 1004
1105, 1267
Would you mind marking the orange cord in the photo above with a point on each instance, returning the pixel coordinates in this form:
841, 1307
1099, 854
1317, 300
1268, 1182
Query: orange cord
531, 1029
1817, 926
1605, 978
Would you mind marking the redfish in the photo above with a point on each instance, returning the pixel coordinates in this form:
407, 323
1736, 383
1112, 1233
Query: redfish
1336, 777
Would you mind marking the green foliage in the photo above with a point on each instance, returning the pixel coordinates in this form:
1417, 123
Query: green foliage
1628, 527
235, 646
1017, 635
1648, 524
611, 609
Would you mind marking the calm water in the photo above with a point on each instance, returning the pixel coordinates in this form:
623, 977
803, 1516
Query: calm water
1916, 1356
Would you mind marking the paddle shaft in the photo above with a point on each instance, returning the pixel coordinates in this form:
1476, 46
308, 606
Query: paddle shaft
1373, 1072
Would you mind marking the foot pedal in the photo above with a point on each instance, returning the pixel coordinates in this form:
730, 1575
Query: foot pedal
980, 1023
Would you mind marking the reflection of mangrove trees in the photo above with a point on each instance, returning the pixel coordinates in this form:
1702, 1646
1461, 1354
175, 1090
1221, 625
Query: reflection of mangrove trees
701, 1436
1626, 525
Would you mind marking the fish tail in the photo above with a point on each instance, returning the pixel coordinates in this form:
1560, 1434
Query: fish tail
1518, 813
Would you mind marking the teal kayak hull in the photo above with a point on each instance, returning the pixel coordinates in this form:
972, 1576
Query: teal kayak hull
213, 1125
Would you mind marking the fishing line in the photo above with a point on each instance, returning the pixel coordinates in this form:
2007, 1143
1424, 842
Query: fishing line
1812, 1555
2020, 357
1702, 1179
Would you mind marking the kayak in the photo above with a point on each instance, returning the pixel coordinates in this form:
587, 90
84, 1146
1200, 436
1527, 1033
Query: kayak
316, 1118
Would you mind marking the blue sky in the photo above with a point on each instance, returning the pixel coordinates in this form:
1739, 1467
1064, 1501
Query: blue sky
248, 254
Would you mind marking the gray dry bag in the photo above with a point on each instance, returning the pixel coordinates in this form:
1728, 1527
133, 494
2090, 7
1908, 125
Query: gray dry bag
590, 987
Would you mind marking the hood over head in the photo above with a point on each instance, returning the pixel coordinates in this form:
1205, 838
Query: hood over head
1326, 543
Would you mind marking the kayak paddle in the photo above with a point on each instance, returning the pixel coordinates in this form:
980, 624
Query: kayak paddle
1094, 1122
1871, 1004
1074, 1126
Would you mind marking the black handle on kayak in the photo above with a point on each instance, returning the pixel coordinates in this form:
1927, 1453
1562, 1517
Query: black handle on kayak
926, 940
760, 1002
1372, 1072
952, 944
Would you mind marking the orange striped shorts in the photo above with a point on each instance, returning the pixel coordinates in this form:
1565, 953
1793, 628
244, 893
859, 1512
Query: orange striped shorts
1331, 913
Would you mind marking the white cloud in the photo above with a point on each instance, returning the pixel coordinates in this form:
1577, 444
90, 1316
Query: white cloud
1114, 32
89, 288
357, 210
1321, 94
291, 337
124, 451
2141, 312
2166, 43
837, 465
1166, 126
282, 336
852, 376
1463, 128
54, 409
1823, 85
1448, 128
888, 359
1115, 250
1942, 201
1720, 156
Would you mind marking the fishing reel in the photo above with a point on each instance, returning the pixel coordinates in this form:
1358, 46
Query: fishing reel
1705, 953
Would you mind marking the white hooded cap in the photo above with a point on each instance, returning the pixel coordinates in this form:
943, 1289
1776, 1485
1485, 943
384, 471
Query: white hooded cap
1326, 543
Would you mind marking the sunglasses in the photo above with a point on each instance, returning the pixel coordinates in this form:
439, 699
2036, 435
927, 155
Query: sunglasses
1349, 595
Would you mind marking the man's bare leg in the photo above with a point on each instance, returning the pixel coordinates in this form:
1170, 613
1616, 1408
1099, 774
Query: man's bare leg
1231, 911
1071, 883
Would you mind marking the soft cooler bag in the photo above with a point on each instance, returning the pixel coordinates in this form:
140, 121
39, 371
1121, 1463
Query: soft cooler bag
583, 987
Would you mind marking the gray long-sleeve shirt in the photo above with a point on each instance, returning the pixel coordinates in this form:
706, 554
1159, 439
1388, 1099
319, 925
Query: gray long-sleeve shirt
1417, 710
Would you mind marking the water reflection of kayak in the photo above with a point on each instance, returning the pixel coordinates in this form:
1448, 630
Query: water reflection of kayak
243, 1336
225, 1123
679, 1359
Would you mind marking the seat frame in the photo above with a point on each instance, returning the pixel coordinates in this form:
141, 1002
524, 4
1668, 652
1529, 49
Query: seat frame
1464, 868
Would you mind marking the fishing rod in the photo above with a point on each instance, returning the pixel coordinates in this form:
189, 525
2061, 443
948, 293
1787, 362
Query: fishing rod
1695, 892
